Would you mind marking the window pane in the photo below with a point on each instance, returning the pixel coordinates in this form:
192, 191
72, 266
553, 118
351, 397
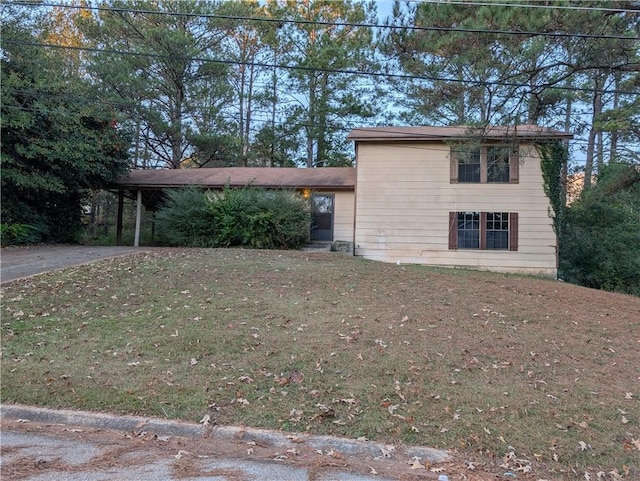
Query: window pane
498, 230
498, 164
468, 230
468, 165
322, 204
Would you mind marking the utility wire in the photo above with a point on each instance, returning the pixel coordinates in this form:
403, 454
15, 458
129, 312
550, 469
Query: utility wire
319, 69
337, 24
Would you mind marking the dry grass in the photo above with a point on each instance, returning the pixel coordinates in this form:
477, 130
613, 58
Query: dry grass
526, 373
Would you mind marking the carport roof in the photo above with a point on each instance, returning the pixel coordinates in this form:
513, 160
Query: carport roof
335, 178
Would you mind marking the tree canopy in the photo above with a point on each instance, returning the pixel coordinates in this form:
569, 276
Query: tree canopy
58, 139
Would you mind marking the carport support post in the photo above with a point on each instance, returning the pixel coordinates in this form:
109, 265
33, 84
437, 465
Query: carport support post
136, 241
119, 219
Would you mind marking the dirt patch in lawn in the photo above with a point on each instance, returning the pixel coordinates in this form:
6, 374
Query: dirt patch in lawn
516, 374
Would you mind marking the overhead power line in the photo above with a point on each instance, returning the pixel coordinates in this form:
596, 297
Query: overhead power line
321, 69
338, 24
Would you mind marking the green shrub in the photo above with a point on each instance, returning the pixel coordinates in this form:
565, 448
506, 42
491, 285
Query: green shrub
250, 217
261, 219
185, 219
16, 234
600, 244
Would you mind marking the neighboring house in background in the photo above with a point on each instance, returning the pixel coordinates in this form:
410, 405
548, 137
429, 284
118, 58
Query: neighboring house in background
451, 196
442, 196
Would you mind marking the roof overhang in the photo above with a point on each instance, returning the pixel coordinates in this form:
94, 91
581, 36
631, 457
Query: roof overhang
530, 133
326, 178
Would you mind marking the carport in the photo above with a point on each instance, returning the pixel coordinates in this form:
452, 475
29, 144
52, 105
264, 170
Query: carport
337, 184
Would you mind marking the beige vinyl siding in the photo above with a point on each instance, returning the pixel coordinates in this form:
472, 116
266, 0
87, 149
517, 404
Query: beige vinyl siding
344, 212
404, 197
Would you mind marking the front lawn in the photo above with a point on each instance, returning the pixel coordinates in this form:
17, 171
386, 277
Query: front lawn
535, 375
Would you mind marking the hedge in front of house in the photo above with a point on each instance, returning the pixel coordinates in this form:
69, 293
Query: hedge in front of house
247, 217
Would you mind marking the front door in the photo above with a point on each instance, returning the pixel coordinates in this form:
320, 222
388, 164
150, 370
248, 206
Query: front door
322, 217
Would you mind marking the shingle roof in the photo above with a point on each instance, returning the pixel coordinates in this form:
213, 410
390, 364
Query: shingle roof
337, 178
425, 133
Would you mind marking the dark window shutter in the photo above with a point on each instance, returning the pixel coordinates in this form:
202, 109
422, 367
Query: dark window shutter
514, 166
453, 230
513, 231
453, 167
483, 230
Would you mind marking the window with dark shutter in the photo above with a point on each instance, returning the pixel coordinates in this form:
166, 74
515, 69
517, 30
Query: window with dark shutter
483, 230
494, 164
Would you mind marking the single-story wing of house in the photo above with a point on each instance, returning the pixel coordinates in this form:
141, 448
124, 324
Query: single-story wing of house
442, 196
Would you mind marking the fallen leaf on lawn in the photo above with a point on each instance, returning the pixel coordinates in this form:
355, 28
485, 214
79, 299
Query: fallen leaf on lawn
163, 439
372, 471
205, 420
436, 470
23, 421
624, 420
616, 476
193, 361
628, 395
584, 446
636, 443
416, 464
295, 415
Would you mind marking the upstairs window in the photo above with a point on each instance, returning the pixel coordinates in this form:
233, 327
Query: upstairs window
469, 166
483, 230
498, 163
483, 165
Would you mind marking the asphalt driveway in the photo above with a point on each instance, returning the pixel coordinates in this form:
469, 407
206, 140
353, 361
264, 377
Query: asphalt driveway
26, 261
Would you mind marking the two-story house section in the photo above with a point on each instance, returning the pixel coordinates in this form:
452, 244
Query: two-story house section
454, 196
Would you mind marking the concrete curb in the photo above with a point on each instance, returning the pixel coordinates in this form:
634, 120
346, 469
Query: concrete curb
164, 427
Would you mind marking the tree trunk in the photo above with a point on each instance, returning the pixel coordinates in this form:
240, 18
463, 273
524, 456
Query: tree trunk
591, 142
311, 126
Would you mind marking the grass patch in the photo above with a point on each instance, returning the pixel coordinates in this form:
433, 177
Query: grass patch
509, 370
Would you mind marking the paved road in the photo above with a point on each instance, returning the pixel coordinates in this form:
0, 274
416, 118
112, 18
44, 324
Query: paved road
48, 445
19, 262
